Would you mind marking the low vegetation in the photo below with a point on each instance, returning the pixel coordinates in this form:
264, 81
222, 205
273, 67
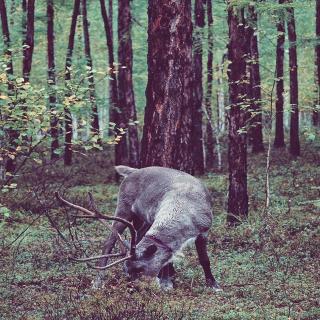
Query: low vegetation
268, 266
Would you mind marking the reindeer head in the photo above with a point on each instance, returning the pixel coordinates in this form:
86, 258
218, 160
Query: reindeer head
147, 258
151, 255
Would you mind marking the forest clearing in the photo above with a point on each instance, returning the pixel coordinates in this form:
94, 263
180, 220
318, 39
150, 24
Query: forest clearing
100, 100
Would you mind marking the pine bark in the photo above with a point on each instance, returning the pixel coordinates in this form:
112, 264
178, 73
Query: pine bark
279, 128
197, 133
237, 151
255, 129
167, 124
316, 111
29, 41
294, 102
209, 130
95, 129
126, 93
67, 77
54, 121
10, 164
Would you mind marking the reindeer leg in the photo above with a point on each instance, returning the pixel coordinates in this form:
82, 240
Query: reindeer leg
107, 249
201, 245
141, 226
165, 276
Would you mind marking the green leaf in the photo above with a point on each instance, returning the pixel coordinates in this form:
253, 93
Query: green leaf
5, 212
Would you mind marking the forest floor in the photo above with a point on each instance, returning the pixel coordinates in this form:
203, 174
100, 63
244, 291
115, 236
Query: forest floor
268, 266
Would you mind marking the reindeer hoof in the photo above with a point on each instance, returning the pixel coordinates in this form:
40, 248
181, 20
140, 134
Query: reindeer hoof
165, 284
217, 289
214, 286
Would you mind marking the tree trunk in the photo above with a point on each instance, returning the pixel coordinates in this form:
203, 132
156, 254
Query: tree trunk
29, 42
92, 91
255, 129
113, 86
24, 23
67, 77
167, 124
7, 45
209, 130
237, 152
115, 117
12, 134
197, 134
221, 110
54, 120
316, 111
279, 130
293, 66
126, 93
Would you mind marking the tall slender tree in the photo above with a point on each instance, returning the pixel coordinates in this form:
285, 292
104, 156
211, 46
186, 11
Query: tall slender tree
197, 133
92, 90
67, 113
316, 111
255, 129
113, 86
293, 67
54, 120
115, 116
279, 130
24, 23
126, 93
209, 162
29, 41
167, 124
238, 51
13, 134
7, 45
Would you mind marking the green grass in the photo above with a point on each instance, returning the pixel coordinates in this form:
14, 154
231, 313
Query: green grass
268, 266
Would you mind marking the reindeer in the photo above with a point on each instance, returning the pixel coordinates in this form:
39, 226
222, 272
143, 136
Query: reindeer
164, 209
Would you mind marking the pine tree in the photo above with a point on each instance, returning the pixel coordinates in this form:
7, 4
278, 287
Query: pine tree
293, 67
197, 134
255, 131
237, 150
279, 130
316, 112
54, 121
209, 129
92, 90
10, 164
67, 113
167, 124
125, 83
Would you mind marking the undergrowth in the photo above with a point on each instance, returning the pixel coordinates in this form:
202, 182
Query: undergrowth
268, 266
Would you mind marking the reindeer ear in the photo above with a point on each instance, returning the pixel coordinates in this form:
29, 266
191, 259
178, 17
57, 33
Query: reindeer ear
150, 251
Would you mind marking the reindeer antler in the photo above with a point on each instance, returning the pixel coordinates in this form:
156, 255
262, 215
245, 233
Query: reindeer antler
102, 218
